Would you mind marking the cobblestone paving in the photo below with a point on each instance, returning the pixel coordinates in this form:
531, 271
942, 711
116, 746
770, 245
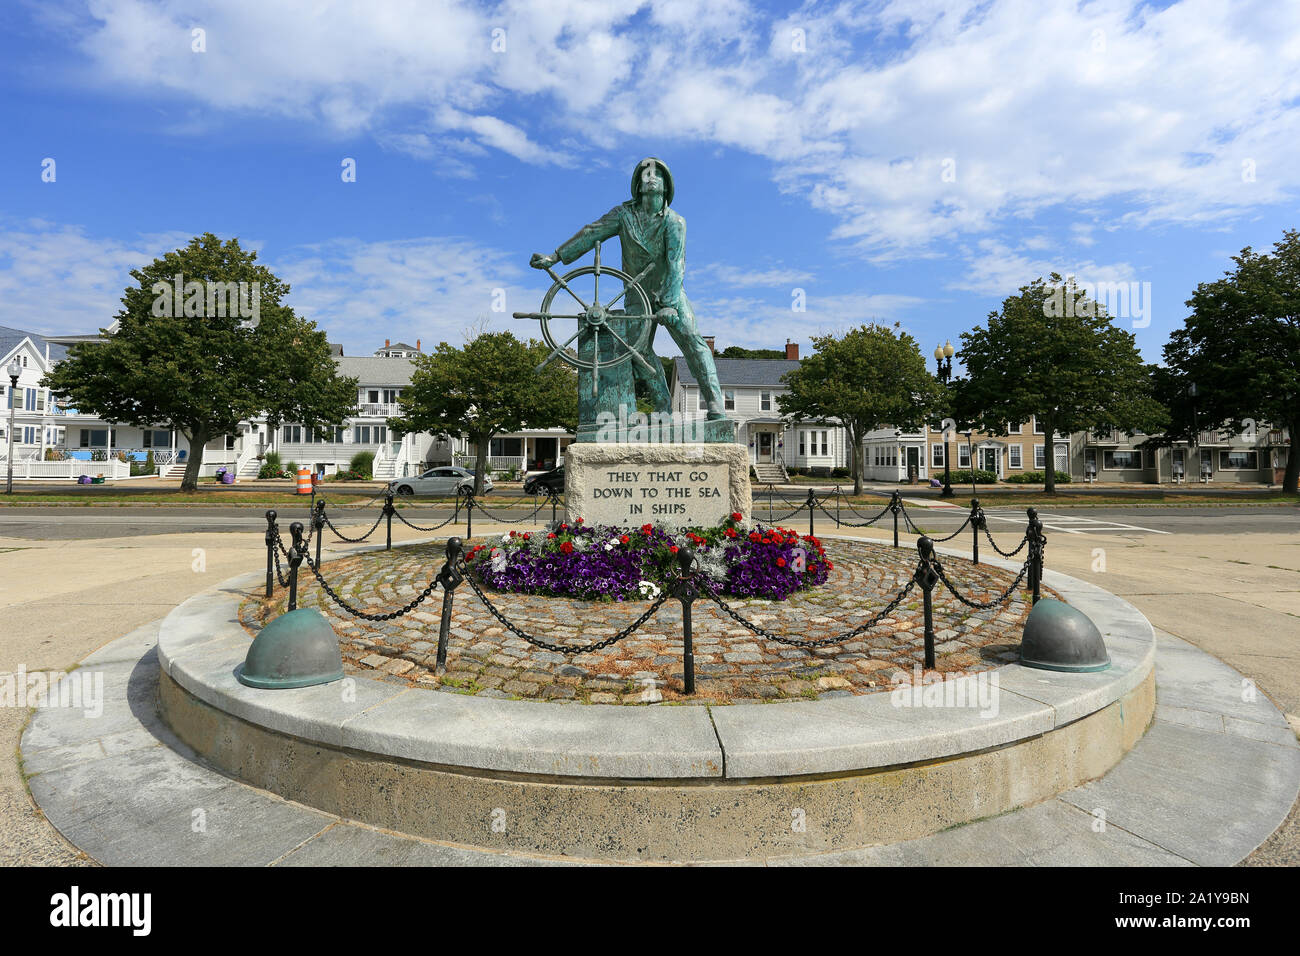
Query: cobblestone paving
732, 664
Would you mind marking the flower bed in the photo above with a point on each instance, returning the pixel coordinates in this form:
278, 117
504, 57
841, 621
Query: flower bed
738, 557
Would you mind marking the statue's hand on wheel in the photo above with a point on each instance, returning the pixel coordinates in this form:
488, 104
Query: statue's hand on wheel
541, 261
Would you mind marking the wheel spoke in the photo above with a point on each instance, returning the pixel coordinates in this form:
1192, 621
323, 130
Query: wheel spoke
637, 356
641, 275
545, 315
551, 273
595, 296
595, 361
557, 350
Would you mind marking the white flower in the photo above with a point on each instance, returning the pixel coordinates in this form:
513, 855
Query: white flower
649, 590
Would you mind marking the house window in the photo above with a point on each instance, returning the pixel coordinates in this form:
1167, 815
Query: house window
1038, 429
1040, 460
703, 403
825, 447
390, 396
94, 438
963, 456
506, 448
291, 434
1117, 460
937, 455
30, 435
1016, 429
1013, 456
803, 448
372, 396
729, 400
1062, 457
156, 438
765, 401
1238, 459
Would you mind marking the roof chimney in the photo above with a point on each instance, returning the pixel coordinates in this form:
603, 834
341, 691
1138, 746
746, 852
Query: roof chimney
708, 340
791, 351
417, 345
385, 343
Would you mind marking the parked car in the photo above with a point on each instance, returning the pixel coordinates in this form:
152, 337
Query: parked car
444, 480
548, 482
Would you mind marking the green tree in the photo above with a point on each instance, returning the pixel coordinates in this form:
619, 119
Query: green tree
208, 368
1052, 352
873, 377
739, 352
488, 387
1240, 348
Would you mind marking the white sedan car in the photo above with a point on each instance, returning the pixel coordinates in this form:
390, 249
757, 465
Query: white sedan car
444, 480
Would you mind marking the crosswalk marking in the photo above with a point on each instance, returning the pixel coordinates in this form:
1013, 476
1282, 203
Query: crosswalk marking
1077, 524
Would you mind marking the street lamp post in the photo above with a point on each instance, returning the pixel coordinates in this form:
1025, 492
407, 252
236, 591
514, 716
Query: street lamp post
15, 369
943, 358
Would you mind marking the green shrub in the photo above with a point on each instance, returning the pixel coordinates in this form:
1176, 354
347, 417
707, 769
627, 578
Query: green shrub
961, 476
1037, 478
839, 472
363, 463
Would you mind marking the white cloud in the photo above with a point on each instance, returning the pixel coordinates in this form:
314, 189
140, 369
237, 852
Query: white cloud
914, 125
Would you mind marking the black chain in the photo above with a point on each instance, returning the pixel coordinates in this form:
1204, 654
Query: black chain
1006, 554
364, 504
344, 537
854, 524
565, 648
544, 503
417, 527
1000, 599
846, 636
960, 529
391, 615
283, 578
883, 511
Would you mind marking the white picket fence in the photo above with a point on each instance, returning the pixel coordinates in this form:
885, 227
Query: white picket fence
113, 468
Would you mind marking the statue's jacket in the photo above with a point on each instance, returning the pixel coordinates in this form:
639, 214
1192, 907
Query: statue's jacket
657, 240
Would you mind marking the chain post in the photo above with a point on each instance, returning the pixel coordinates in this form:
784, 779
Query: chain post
687, 592
927, 577
770, 512
976, 522
388, 513
469, 514
895, 505
318, 523
271, 533
555, 500
449, 577
837, 506
812, 500
1036, 542
296, 554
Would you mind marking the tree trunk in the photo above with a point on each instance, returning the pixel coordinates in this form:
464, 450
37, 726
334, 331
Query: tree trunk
1292, 459
197, 440
1049, 455
858, 463
481, 445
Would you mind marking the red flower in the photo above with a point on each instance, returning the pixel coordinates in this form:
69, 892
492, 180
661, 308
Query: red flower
736, 516
551, 535
512, 534
647, 528
527, 535
780, 562
567, 547
579, 521
563, 526
672, 549
624, 539
753, 536
731, 533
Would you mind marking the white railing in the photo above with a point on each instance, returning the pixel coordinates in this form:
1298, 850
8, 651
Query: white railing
70, 468
372, 410
246, 455
305, 453
494, 462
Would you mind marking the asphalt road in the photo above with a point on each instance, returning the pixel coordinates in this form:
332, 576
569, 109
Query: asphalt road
54, 523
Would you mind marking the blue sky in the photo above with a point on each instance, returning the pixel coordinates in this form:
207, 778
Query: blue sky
897, 161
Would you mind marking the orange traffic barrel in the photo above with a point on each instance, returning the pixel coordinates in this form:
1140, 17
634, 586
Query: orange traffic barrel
304, 481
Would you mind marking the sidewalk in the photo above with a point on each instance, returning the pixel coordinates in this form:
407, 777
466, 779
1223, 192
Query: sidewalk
1236, 597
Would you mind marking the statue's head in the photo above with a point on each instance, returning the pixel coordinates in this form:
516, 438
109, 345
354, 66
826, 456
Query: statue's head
652, 174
